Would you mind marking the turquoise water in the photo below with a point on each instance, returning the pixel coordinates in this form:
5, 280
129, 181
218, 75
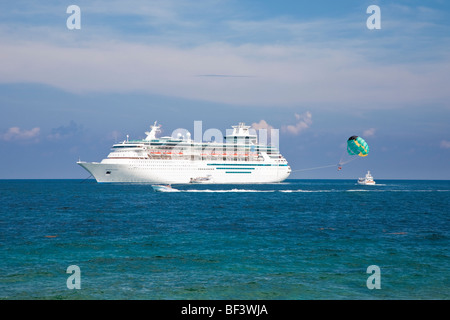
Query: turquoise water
301, 239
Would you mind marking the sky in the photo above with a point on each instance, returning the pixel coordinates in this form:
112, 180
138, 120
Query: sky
313, 70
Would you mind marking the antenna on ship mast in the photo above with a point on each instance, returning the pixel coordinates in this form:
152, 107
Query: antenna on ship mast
152, 133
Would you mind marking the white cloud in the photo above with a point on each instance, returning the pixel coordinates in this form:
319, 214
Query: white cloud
445, 144
369, 132
276, 75
304, 121
15, 133
262, 125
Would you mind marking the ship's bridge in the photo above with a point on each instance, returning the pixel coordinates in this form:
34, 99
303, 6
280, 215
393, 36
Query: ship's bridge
241, 134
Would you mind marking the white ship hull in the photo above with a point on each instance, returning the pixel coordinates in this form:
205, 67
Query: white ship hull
182, 171
366, 183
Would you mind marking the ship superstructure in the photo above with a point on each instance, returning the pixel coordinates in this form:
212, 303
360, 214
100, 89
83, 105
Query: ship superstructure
168, 160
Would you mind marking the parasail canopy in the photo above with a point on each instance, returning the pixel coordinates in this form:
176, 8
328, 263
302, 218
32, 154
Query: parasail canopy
357, 146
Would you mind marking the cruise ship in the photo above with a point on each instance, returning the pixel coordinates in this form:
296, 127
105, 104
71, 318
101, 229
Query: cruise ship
239, 159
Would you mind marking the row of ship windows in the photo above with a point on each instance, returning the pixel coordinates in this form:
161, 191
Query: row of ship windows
171, 167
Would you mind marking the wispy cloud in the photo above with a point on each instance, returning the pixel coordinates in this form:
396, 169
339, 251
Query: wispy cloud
223, 76
276, 61
16, 133
281, 75
304, 121
445, 144
369, 132
64, 131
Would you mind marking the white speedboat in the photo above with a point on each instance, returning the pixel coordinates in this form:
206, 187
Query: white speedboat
207, 179
367, 180
163, 188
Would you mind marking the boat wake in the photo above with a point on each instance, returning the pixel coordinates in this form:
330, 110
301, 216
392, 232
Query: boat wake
232, 190
235, 190
300, 190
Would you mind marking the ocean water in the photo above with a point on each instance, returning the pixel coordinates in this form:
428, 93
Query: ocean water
300, 239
